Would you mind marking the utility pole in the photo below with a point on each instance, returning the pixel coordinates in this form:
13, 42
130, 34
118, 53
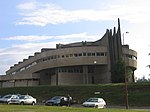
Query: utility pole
126, 83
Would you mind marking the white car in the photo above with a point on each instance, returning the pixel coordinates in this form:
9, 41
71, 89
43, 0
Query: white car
95, 102
23, 99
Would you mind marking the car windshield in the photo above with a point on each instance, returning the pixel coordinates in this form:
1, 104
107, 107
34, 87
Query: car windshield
92, 100
56, 98
7, 96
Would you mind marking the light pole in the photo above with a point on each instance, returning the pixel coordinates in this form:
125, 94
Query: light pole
123, 36
126, 83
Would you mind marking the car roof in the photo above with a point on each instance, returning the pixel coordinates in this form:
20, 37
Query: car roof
59, 96
97, 98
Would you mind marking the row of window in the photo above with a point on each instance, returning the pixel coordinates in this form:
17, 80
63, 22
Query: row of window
68, 56
70, 70
74, 55
74, 70
62, 56
24, 68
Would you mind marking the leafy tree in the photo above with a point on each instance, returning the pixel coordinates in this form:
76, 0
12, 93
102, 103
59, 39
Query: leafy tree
143, 79
119, 71
128, 73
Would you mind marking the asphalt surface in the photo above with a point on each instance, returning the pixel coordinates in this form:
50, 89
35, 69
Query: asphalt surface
115, 107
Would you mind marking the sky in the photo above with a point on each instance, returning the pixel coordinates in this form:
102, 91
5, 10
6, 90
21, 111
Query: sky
26, 26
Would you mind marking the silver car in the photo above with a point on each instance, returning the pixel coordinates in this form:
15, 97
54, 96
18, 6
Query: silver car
7, 98
23, 99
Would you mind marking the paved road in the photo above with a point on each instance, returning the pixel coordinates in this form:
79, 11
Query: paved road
120, 107
117, 107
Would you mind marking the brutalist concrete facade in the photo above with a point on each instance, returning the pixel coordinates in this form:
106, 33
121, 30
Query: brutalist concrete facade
74, 63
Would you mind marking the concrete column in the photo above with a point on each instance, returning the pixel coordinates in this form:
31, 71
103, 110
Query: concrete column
85, 75
56, 72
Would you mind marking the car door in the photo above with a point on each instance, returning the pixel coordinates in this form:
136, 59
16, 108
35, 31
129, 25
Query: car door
101, 103
29, 100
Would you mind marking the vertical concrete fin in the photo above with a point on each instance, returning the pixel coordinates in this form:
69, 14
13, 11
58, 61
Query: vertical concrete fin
118, 23
119, 43
119, 31
114, 33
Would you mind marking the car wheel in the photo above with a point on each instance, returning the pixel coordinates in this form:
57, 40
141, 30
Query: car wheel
96, 106
58, 104
104, 106
33, 103
22, 103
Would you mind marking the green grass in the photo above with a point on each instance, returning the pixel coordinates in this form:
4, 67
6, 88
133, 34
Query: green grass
26, 108
114, 94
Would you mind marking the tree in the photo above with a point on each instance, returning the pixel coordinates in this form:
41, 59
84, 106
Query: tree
143, 79
119, 70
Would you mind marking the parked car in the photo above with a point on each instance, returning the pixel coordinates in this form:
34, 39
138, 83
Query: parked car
57, 101
95, 102
7, 98
23, 99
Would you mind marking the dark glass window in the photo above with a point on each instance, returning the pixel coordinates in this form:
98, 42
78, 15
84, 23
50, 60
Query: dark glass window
80, 54
93, 54
71, 55
102, 54
75, 54
98, 54
89, 54
84, 54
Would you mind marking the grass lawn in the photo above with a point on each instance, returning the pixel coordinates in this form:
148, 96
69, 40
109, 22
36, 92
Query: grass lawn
114, 94
37, 108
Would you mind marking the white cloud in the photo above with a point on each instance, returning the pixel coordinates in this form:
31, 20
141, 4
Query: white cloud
45, 14
18, 52
138, 39
72, 37
29, 38
27, 6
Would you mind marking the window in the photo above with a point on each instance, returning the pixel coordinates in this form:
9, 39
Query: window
93, 54
84, 54
98, 54
75, 54
102, 54
80, 54
71, 55
88, 54
62, 56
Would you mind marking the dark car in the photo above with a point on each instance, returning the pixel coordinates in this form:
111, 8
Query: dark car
57, 101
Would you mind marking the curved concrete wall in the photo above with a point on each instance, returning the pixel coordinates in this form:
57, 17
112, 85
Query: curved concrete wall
130, 57
63, 57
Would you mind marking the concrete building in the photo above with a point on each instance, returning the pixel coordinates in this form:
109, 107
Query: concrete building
74, 63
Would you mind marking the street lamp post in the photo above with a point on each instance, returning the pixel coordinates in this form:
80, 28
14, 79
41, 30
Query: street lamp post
126, 83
